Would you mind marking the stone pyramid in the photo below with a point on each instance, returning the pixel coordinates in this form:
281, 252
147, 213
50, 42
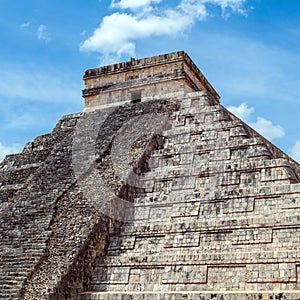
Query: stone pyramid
155, 191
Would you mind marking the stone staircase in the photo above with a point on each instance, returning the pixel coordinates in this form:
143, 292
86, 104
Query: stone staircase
30, 184
219, 203
215, 211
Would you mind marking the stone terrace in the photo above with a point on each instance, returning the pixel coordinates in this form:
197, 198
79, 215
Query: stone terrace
210, 209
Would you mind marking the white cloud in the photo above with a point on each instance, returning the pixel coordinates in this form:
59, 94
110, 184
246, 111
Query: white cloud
265, 127
236, 6
132, 4
4, 150
194, 9
295, 151
200, 9
42, 33
242, 111
117, 33
268, 129
25, 25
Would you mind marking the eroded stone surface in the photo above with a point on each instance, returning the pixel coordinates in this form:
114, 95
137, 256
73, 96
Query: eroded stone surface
142, 79
215, 215
203, 207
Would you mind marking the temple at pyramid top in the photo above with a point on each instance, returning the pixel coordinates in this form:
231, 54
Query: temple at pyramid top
143, 79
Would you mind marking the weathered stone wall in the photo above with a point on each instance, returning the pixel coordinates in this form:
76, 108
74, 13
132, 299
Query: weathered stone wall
172, 197
218, 218
116, 84
50, 232
120, 96
27, 213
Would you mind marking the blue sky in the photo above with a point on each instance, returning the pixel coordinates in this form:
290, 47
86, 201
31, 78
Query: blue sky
248, 49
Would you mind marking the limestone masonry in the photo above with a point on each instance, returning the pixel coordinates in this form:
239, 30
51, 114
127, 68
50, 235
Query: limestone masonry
143, 79
155, 191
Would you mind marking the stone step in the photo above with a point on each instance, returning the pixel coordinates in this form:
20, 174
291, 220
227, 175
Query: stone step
38, 150
7, 192
17, 175
275, 218
23, 159
26, 219
206, 254
193, 295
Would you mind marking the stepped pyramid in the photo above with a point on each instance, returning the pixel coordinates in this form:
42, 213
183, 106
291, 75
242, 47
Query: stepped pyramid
155, 191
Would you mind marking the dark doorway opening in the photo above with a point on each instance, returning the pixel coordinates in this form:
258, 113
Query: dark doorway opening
136, 96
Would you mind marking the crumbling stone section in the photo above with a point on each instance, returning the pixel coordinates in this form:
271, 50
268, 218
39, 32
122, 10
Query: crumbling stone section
79, 231
25, 217
74, 230
109, 130
16, 169
48, 224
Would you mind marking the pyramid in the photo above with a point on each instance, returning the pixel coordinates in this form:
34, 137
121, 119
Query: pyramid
154, 191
